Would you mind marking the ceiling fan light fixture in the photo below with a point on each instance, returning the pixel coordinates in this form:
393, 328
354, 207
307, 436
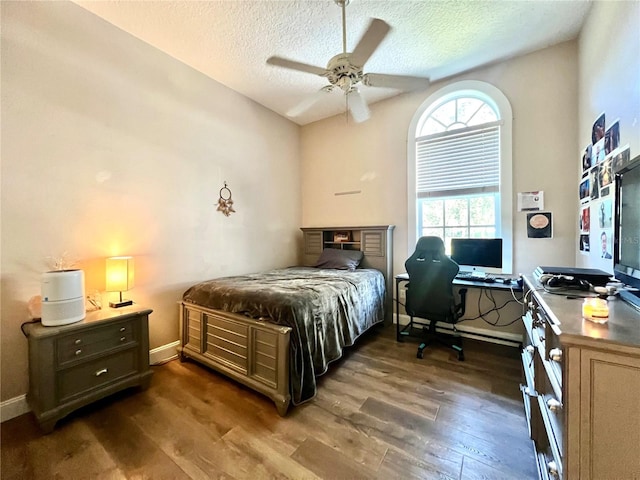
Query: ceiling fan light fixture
345, 70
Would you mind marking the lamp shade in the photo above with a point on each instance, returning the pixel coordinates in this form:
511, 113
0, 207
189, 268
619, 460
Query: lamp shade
119, 274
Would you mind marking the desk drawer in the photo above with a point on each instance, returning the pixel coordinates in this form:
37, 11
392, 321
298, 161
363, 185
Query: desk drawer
77, 380
85, 344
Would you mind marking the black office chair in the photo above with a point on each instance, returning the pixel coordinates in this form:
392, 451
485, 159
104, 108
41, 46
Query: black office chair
430, 293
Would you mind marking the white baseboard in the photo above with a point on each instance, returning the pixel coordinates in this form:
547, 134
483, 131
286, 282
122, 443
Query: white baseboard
486, 335
164, 353
14, 407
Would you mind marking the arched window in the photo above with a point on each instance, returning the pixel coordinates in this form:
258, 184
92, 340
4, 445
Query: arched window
459, 166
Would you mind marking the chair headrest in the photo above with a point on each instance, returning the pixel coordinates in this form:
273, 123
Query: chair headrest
430, 245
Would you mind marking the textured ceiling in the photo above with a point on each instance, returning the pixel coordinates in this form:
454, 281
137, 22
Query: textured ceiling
230, 40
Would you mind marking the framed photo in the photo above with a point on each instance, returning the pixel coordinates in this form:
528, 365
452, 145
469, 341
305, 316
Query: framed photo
597, 131
539, 225
612, 138
584, 190
586, 160
342, 236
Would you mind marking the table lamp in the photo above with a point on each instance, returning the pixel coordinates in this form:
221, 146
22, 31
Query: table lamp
119, 272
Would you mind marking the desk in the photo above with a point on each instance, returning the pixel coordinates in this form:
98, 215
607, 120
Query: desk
458, 282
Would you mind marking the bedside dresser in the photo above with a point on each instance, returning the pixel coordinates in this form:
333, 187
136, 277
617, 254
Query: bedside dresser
73, 365
581, 388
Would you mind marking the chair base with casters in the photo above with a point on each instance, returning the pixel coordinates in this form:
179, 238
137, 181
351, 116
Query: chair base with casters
453, 341
432, 336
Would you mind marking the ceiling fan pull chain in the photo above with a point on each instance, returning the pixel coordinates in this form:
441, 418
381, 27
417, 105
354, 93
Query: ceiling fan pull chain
346, 108
343, 3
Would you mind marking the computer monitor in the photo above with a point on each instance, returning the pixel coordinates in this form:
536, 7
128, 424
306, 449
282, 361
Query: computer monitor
626, 266
477, 255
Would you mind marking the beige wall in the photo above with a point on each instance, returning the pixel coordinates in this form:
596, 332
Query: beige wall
112, 147
609, 79
372, 157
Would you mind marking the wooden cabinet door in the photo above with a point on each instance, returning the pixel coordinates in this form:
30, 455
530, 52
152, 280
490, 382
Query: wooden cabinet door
313, 243
610, 416
373, 243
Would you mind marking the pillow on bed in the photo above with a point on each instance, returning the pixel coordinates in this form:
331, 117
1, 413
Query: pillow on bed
341, 259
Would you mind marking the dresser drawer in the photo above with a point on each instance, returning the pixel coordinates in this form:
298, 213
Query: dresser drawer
90, 342
551, 409
97, 373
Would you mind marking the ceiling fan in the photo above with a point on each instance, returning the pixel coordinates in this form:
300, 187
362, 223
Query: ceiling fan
345, 71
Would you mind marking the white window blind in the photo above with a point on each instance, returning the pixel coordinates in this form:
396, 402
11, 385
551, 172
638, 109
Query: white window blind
459, 162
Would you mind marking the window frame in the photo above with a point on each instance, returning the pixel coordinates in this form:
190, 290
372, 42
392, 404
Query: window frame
494, 97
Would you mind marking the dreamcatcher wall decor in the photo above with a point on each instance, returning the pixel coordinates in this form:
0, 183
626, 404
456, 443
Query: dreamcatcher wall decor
225, 204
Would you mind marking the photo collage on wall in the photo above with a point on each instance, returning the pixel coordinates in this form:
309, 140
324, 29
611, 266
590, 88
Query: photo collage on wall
600, 159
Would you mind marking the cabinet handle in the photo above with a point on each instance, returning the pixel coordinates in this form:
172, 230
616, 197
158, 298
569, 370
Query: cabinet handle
78, 342
555, 354
122, 329
78, 352
553, 469
122, 339
101, 372
530, 349
554, 405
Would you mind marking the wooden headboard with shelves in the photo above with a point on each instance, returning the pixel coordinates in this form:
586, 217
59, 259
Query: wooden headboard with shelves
375, 242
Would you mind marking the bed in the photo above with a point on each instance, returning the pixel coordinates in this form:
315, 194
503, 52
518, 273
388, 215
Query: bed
276, 331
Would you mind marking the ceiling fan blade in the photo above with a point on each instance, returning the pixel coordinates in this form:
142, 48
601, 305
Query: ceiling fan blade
402, 82
309, 102
357, 106
374, 35
293, 65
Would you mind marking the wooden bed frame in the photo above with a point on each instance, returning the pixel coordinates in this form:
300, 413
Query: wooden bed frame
255, 352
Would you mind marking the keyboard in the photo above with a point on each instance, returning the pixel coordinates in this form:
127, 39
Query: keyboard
465, 275
475, 277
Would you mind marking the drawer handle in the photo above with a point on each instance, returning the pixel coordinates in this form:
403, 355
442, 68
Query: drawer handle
554, 405
122, 339
101, 372
553, 469
527, 391
555, 354
78, 351
122, 329
78, 342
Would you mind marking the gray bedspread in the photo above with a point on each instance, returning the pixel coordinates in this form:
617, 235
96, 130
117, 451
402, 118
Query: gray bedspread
327, 310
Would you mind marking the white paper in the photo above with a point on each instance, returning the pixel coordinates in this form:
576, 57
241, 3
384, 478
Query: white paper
530, 201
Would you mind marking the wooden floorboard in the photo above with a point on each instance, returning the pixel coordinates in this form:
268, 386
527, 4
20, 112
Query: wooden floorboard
380, 413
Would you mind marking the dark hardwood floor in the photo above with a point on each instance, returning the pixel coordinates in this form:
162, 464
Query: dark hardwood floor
380, 413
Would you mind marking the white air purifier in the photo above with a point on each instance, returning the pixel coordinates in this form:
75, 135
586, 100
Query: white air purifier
62, 297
